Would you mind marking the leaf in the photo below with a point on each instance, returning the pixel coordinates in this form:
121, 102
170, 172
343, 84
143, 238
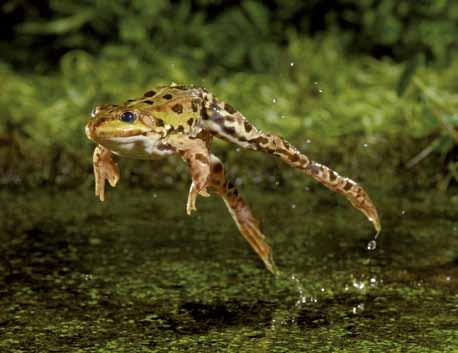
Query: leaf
408, 72
258, 15
59, 26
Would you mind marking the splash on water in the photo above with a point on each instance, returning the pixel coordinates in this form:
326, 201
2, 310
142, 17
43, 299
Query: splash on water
300, 289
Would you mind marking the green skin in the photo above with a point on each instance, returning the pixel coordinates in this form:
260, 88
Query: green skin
183, 120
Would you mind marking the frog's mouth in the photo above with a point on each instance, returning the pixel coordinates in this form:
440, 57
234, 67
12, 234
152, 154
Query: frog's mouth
89, 130
137, 146
95, 131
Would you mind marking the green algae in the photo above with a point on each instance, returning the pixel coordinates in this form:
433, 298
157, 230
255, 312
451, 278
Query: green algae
137, 275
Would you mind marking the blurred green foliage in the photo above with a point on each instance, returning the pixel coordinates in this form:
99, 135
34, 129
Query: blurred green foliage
236, 35
311, 71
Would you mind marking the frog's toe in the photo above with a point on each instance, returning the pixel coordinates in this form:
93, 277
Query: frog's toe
100, 191
191, 204
204, 193
194, 191
113, 180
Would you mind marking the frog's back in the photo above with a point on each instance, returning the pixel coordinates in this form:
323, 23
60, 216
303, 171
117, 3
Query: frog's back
178, 106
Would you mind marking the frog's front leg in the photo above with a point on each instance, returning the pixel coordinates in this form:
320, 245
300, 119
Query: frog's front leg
104, 169
195, 152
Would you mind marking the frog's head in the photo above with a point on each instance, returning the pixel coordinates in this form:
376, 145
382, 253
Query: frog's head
124, 129
118, 121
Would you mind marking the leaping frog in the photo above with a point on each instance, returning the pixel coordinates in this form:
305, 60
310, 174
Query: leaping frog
183, 120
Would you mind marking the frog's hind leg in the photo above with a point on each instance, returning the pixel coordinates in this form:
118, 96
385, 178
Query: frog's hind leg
241, 213
224, 122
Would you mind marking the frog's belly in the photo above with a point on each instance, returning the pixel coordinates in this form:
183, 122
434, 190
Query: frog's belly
138, 147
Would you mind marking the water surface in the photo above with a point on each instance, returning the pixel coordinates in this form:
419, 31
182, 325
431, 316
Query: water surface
137, 275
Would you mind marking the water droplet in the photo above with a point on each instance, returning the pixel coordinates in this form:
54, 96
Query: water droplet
315, 83
358, 285
291, 64
365, 145
274, 101
320, 90
403, 212
308, 141
282, 116
358, 308
300, 289
448, 278
293, 206
307, 188
237, 149
371, 245
322, 289
277, 182
154, 196
373, 280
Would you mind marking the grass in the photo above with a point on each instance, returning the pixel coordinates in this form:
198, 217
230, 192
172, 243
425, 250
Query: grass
330, 104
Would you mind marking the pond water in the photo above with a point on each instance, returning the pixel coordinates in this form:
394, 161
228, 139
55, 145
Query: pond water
135, 274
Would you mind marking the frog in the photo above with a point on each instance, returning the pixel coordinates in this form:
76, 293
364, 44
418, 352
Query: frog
183, 120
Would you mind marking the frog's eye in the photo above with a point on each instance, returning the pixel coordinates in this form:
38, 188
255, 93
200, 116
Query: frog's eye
128, 117
93, 112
